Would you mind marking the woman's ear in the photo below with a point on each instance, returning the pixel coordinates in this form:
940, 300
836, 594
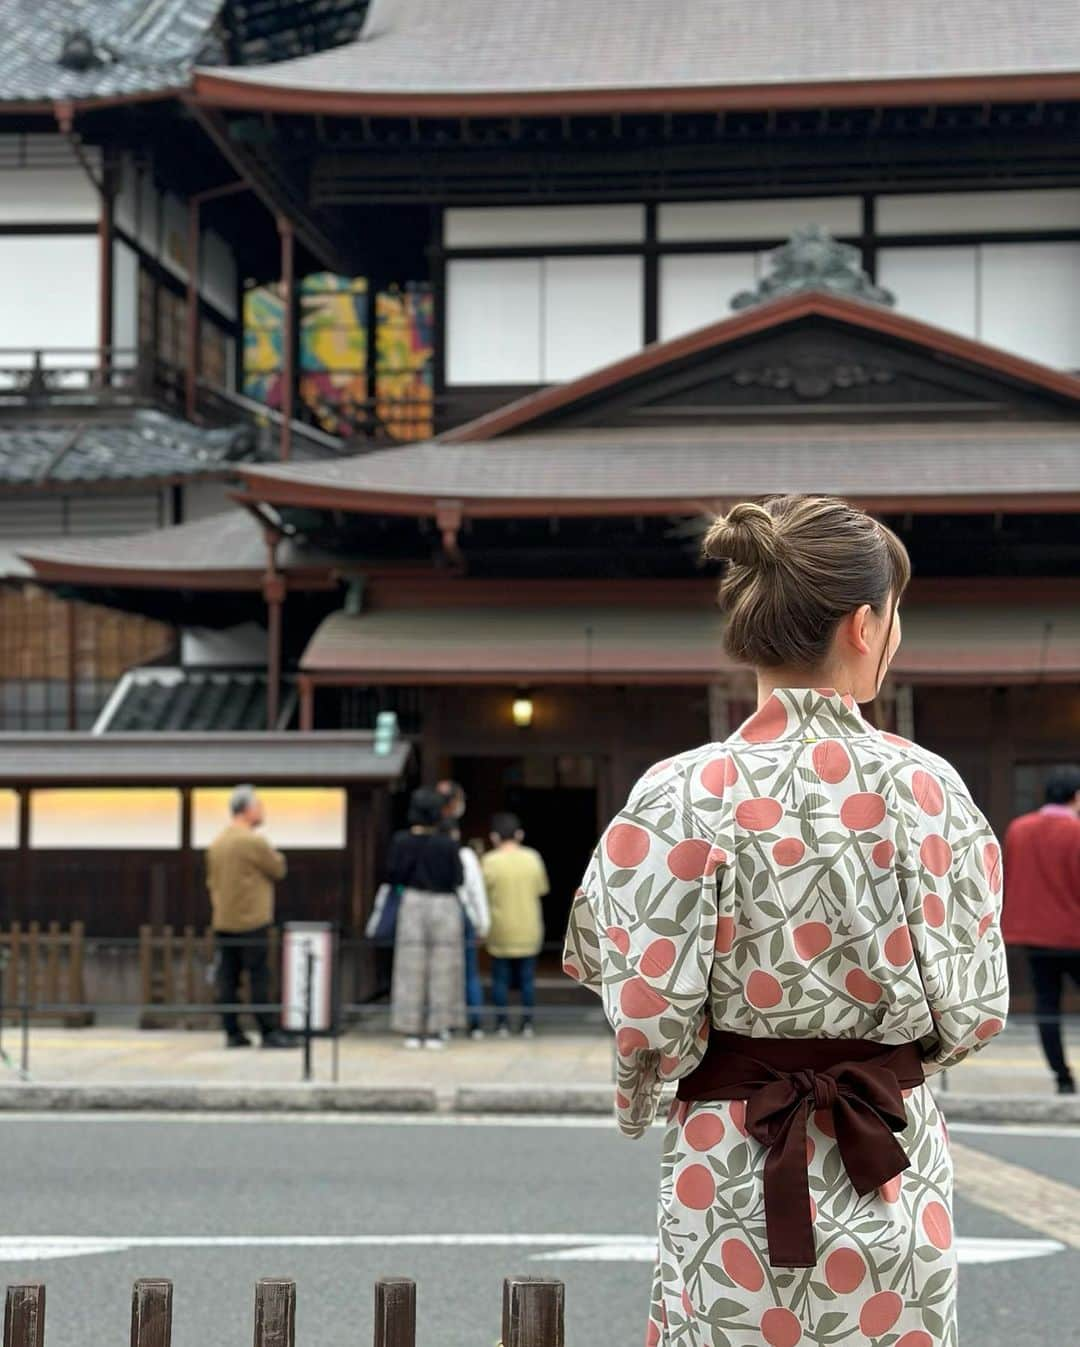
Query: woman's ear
854, 631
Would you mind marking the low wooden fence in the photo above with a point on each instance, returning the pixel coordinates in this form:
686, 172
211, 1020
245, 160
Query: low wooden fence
532, 1314
177, 968
44, 968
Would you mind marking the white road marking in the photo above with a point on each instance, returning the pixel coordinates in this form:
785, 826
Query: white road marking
1062, 1130
1024, 1196
577, 1248
969, 1249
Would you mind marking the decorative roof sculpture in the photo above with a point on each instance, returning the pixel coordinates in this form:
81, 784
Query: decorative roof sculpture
813, 260
54, 49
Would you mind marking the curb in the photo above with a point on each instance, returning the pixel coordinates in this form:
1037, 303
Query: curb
1005, 1108
475, 1100
573, 1100
216, 1099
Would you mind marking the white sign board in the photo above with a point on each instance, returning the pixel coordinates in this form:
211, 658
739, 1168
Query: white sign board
302, 938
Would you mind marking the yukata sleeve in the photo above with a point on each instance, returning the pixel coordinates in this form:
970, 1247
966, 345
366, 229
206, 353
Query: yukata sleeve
642, 934
953, 894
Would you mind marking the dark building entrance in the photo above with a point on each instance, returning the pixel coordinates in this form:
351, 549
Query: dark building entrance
555, 796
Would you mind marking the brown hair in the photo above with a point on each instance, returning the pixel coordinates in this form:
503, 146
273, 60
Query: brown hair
795, 566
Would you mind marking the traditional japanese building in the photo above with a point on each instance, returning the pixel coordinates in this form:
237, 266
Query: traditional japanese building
592, 210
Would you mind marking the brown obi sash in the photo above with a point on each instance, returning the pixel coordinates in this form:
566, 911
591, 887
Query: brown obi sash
783, 1081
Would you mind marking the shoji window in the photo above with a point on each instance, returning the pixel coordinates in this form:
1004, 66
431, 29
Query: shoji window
938, 285
697, 288
539, 320
1019, 296
109, 819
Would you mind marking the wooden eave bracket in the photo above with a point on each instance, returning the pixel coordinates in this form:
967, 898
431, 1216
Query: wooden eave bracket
449, 516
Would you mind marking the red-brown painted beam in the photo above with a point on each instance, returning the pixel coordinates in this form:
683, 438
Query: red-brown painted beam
221, 91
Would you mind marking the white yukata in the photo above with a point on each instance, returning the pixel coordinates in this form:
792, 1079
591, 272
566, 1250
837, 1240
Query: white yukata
809, 878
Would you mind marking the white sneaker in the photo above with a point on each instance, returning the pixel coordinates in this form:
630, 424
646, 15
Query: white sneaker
412, 1043
527, 1031
477, 1035
503, 1031
435, 1044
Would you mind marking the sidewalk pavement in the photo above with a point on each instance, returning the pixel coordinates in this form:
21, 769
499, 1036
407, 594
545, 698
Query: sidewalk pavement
560, 1071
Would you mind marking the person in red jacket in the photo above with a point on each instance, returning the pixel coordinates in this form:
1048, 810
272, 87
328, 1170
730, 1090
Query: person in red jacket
1042, 905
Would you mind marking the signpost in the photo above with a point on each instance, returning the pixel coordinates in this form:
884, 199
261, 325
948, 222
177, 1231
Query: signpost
307, 982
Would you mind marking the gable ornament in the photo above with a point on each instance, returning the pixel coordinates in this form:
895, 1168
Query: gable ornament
813, 260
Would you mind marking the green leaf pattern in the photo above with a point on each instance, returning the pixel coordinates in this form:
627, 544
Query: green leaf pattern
811, 877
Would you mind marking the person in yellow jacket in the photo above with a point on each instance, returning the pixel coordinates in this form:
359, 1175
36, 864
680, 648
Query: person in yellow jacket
516, 881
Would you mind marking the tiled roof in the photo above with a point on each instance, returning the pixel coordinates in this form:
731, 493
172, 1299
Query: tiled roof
492, 46
678, 645
139, 46
165, 700
319, 758
231, 543
654, 464
145, 445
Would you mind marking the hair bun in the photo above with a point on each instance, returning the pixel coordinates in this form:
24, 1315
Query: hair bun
747, 535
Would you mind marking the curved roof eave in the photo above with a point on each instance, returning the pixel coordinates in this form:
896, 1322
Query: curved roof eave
213, 89
73, 106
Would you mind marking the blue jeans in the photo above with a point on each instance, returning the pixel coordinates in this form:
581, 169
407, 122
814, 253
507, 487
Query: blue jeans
474, 992
506, 973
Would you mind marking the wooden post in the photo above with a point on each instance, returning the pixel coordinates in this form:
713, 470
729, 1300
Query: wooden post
191, 359
146, 965
151, 1313
275, 1313
395, 1312
532, 1313
24, 1316
307, 703
33, 957
274, 594
168, 969
52, 964
188, 905
72, 664
76, 990
11, 987
23, 903
288, 336
105, 272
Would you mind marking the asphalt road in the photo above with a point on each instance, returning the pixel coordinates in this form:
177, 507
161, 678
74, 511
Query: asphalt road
89, 1204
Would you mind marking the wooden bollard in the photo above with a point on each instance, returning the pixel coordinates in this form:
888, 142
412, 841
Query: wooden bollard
275, 1313
151, 1312
532, 1313
395, 1312
24, 1316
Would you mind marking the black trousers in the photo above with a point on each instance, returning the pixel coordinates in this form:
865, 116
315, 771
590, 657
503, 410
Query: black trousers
1049, 969
237, 951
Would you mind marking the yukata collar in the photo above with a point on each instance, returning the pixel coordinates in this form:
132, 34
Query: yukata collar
804, 714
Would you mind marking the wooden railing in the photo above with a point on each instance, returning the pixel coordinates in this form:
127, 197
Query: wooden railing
175, 970
532, 1314
44, 968
47, 378
33, 377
